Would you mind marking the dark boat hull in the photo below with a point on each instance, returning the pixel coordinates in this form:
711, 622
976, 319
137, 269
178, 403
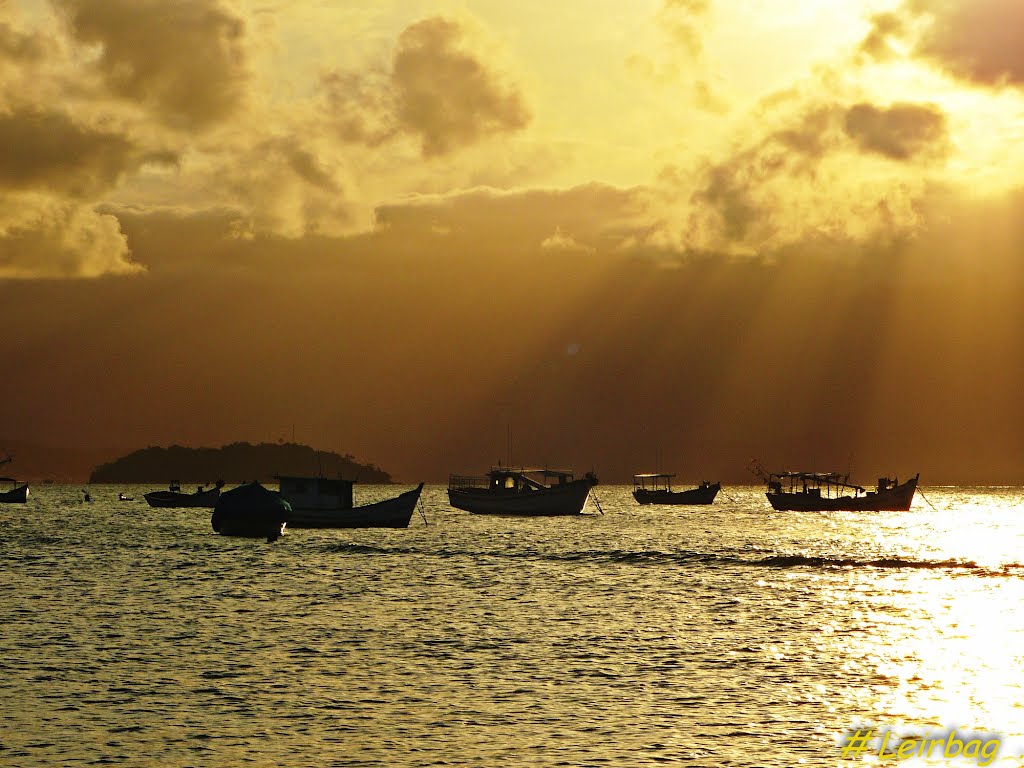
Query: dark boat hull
390, 513
250, 511
896, 499
174, 499
693, 496
17, 495
568, 499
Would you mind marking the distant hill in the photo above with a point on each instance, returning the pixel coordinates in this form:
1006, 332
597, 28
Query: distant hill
233, 463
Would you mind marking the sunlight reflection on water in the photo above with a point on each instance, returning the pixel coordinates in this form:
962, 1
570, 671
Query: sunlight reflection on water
707, 636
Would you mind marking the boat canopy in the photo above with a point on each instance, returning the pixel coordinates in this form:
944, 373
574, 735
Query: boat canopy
653, 481
816, 478
544, 471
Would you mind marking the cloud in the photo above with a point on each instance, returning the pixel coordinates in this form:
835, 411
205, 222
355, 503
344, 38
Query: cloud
52, 169
680, 19
282, 185
885, 27
185, 59
50, 151
18, 46
559, 242
361, 106
440, 89
41, 237
810, 171
977, 41
899, 132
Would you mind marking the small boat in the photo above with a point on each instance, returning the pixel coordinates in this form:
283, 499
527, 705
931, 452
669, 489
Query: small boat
523, 492
656, 488
250, 511
122, 497
824, 491
173, 497
17, 494
322, 502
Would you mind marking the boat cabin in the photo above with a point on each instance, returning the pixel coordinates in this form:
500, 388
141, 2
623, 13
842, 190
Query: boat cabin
316, 492
503, 480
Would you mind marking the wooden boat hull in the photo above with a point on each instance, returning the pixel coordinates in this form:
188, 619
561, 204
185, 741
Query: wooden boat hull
568, 499
692, 496
896, 499
396, 512
175, 499
17, 495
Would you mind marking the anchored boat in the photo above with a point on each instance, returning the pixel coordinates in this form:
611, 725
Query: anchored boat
656, 488
251, 511
822, 491
525, 492
322, 502
18, 492
173, 497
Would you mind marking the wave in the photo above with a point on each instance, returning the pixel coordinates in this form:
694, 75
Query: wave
684, 558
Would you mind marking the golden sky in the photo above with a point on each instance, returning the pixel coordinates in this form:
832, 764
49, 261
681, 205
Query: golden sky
685, 228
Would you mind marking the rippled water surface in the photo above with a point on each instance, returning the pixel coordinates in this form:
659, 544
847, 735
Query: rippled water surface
729, 635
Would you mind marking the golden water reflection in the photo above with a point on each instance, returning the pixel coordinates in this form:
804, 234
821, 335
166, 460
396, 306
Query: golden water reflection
939, 647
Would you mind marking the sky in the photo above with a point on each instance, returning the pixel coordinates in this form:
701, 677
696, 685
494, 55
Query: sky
667, 234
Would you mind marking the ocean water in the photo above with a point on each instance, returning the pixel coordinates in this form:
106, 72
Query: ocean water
701, 636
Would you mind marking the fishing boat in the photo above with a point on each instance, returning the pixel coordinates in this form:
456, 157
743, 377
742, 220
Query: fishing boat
173, 497
18, 492
523, 492
824, 491
323, 502
656, 488
250, 511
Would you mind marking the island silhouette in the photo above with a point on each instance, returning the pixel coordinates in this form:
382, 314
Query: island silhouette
233, 463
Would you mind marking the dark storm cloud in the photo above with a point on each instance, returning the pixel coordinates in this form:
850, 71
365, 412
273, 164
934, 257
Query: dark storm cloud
438, 90
186, 58
899, 132
48, 151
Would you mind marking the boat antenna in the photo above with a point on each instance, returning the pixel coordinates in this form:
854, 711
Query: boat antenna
509, 454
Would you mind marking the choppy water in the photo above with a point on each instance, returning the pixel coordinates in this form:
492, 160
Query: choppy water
730, 635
